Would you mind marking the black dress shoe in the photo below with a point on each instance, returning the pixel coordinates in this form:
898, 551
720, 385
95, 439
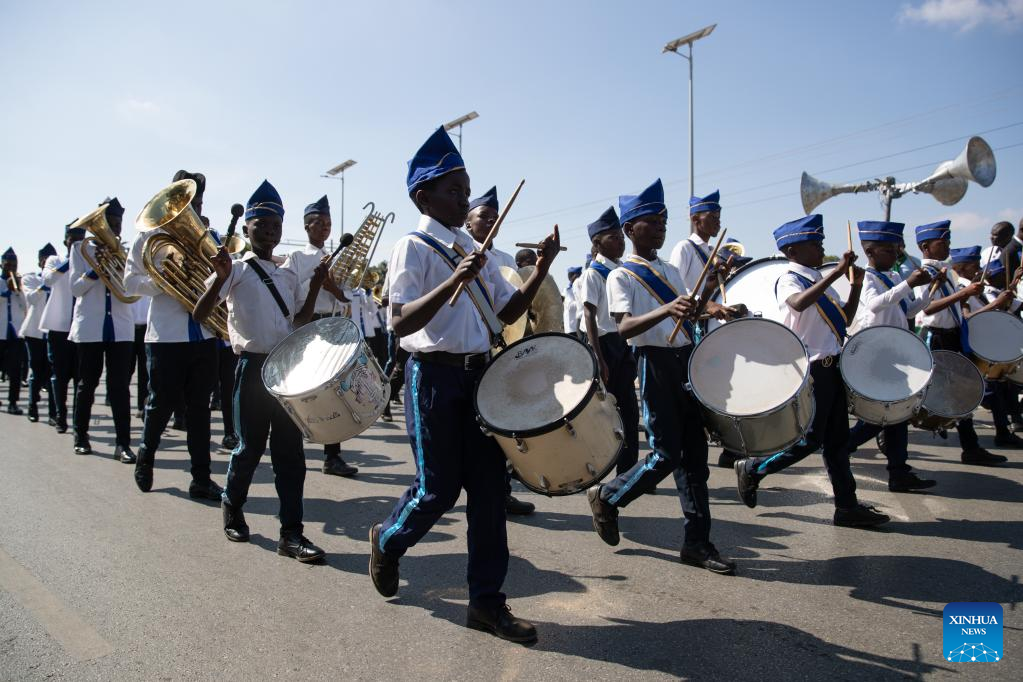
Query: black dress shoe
299, 547
727, 459
124, 453
144, 470
235, 527
605, 517
860, 516
982, 457
82, 447
230, 442
1017, 425
500, 622
179, 424
518, 507
51, 422
335, 466
15, 410
1008, 439
205, 490
903, 483
747, 483
215, 405
706, 556
33, 413
383, 569
61, 426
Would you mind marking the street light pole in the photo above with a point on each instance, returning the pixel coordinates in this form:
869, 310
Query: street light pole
338, 173
457, 123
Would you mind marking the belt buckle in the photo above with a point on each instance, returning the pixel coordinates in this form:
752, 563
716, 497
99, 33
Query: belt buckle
467, 361
828, 361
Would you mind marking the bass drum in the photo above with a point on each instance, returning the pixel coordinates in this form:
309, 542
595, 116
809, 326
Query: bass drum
886, 371
996, 342
955, 391
543, 402
753, 285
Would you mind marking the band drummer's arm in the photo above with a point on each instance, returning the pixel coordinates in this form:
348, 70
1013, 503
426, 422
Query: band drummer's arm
83, 279
939, 304
592, 332
411, 309
521, 299
876, 299
137, 281
808, 297
217, 289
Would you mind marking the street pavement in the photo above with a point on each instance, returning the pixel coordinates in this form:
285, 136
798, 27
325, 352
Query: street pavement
101, 581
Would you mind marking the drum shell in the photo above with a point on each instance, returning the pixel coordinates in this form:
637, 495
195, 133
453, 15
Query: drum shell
879, 411
929, 418
772, 431
343, 406
1007, 329
997, 371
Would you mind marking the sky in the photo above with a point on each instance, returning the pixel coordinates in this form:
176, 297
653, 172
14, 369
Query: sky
111, 98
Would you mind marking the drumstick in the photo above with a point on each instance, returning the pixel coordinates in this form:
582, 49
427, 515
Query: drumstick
699, 283
937, 282
488, 242
537, 246
848, 231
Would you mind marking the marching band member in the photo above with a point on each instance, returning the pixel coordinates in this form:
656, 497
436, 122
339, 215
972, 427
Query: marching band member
103, 329
1003, 240
887, 299
691, 254
264, 305
56, 322
12, 314
140, 313
483, 213
181, 358
450, 347
942, 325
36, 295
645, 295
305, 261
615, 360
812, 311
572, 304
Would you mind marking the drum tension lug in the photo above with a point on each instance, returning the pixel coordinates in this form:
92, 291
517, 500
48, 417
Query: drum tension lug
544, 483
570, 428
619, 436
521, 445
591, 469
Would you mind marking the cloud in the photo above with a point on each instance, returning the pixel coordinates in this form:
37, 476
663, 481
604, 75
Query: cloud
133, 108
971, 221
965, 15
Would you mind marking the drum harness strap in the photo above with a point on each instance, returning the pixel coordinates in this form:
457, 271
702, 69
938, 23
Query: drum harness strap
832, 313
957, 314
265, 278
890, 285
477, 290
655, 285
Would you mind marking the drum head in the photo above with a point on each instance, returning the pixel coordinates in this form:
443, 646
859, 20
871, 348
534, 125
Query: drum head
886, 364
956, 387
311, 356
753, 284
534, 383
996, 336
748, 367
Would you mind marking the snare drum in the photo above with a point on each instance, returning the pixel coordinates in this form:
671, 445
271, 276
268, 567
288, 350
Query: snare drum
752, 377
955, 391
325, 376
996, 342
886, 371
543, 402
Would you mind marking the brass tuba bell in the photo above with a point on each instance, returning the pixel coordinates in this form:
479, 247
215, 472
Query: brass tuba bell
109, 257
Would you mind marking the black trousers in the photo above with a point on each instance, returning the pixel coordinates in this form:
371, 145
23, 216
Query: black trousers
39, 373
397, 357
140, 364
896, 443
117, 357
621, 364
63, 357
829, 429
182, 373
12, 359
675, 433
259, 417
949, 339
226, 363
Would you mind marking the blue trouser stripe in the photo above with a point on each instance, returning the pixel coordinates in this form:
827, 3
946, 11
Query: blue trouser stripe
420, 465
763, 465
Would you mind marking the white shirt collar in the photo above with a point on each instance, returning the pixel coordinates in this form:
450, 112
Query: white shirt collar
607, 261
443, 234
697, 239
810, 273
317, 250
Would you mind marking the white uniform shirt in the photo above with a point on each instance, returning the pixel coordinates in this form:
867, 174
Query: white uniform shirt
415, 269
994, 252
626, 295
808, 325
57, 311
304, 261
943, 319
362, 312
140, 310
36, 294
571, 313
167, 321
94, 305
879, 305
255, 323
594, 291
686, 259
577, 291
13, 310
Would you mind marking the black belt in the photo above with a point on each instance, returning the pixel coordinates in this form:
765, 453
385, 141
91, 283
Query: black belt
320, 316
253, 356
466, 361
828, 361
941, 331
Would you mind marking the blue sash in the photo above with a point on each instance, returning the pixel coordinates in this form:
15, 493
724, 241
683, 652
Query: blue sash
700, 253
832, 313
888, 285
656, 286
64, 266
601, 269
945, 290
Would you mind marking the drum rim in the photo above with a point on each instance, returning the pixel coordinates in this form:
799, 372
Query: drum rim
987, 359
749, 266
765, 413
922, 390
964, 414
550, 426
319, 387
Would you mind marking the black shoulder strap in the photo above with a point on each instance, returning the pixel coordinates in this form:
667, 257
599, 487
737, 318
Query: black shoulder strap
254, 264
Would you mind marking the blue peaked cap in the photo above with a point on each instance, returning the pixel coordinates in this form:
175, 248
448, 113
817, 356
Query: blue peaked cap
263, 202
967, 254
438, 156
488, 198
608, 220
880, 231
575, 270
318, 207
995, 267
707, 204
649, 201
113, 206
806, 229
47, 251
9, 253
938, 230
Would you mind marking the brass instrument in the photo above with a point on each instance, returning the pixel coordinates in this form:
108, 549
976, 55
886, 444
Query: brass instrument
110, 256
178, 259
351, 267
14, 280
378, 294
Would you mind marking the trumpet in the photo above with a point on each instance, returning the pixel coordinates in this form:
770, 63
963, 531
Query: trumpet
351, 267
178, 259
109, 257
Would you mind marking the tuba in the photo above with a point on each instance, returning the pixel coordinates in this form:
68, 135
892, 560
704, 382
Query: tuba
351, 267
178, 260
109, 257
